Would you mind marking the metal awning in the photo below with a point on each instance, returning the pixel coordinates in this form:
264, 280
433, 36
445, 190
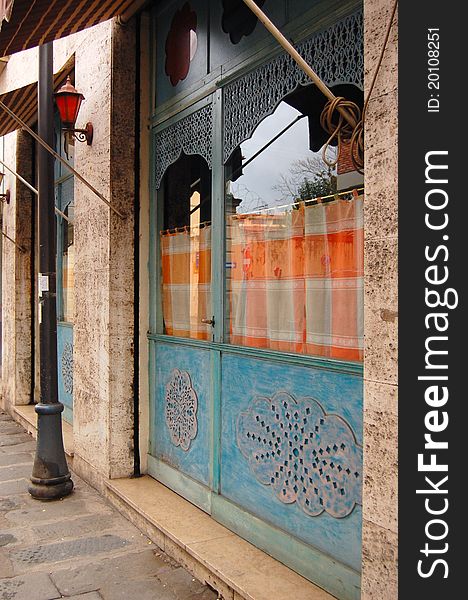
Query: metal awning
23, 100
29, 23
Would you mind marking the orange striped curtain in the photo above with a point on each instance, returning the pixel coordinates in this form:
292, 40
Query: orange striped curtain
267, 283
296, 280
333, 274
68, 284
186, 282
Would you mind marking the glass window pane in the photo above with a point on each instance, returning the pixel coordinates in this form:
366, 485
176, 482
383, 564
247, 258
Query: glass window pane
68, 265
185, 247
294, 263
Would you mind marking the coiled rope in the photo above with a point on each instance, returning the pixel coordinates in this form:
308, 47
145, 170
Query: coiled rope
334, 122
340, 118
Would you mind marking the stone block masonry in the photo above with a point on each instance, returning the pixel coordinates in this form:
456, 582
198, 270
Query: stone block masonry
380, 496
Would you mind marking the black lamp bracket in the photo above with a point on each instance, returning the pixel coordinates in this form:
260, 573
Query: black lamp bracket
82, 135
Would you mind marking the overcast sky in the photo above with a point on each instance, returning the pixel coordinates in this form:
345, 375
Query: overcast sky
259, 178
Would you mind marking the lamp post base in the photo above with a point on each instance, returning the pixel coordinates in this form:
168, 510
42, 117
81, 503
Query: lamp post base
50, 478
47, 491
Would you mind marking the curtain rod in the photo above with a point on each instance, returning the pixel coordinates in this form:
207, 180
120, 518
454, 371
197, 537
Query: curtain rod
33, 189
318, 199
59, 158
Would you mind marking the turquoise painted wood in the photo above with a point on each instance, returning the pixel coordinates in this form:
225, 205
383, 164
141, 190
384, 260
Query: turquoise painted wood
65, 368
338, 366
327, 572
64, 195
225, 53
322, 542
272, 461
181, 426
184, 485
165, 28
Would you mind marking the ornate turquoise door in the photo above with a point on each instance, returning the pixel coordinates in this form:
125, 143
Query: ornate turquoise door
256, 289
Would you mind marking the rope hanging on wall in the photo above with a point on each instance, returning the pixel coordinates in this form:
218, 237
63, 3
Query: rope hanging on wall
341, 118
335, 124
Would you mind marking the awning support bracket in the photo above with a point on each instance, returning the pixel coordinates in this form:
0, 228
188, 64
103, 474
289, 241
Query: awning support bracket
60, 159
20, 248
33, 189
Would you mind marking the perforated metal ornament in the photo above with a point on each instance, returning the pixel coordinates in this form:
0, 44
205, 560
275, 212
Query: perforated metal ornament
336, 55
192, 135
67, 368
180, 410
304, 454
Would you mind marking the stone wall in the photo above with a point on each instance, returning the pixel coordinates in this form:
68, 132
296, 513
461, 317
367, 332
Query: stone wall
380, 524
104, 269
16, 373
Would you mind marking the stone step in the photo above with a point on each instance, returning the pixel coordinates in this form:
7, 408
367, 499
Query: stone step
213, 554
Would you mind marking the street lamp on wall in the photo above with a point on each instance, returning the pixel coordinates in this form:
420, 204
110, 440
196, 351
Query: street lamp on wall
68, 101
5, 197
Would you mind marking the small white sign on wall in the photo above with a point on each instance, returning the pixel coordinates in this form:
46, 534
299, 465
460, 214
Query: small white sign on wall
43, 284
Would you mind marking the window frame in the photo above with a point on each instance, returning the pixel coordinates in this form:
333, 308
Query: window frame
213, 91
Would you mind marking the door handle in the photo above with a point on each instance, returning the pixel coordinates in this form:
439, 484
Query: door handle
209, 321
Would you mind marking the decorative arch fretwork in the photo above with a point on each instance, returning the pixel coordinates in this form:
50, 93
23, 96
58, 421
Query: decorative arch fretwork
191, 135
337, 56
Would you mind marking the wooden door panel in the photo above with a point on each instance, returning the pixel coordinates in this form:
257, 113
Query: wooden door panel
181, 423
291, 450
65, 368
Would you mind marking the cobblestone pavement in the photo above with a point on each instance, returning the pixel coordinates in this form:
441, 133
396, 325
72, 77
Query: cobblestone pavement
78, 548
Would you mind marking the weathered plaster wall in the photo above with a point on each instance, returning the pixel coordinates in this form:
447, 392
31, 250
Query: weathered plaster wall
381, 317
23, 67
103, 325
15, 383
8, 381
20, 70
122, 167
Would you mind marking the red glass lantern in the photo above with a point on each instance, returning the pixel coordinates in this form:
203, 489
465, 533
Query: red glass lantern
68, 101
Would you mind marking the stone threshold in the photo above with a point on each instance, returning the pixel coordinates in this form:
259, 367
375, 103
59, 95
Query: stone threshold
27, 417
236, 569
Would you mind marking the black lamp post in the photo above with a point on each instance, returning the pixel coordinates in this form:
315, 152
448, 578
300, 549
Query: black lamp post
50, 478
